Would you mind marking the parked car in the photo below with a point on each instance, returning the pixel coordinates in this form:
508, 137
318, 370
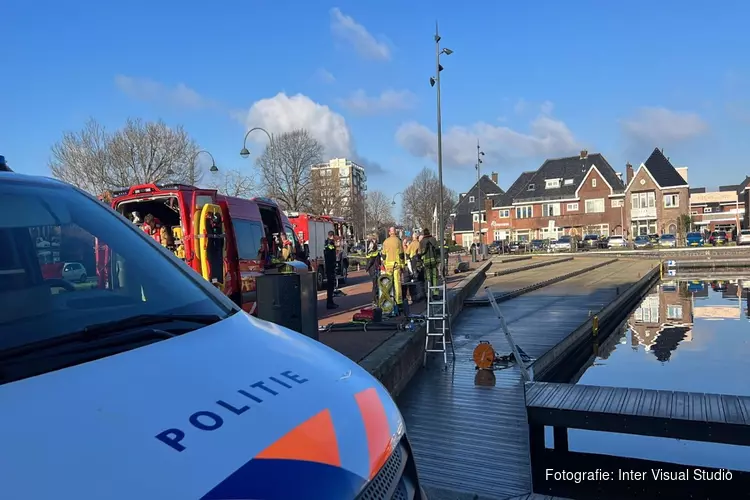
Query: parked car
642, 241
564, 244
718, 238
539, 245
74, 271
617, 241
591, 241
694, 239
653, 238
743, 238
497, 247
668, 240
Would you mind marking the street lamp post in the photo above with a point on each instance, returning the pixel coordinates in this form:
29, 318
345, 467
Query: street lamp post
435, 81
244, 152
213, 168
482, 247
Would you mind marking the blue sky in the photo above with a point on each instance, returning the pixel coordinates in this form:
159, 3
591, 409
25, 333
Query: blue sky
530, 80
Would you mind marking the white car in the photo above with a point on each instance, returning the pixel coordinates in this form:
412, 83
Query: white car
744, 237
617, 242
74, 271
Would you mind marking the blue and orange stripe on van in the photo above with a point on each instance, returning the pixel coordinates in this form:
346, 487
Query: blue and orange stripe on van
307, 463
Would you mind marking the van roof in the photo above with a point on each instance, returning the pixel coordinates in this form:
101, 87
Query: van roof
32, 179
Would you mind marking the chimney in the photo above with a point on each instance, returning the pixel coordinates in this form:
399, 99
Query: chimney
487, 206
494, 177
584, 154
628, 173
461, 196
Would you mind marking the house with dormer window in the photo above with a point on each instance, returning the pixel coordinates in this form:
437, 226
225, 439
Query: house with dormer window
575, 195
467, 213
657, 194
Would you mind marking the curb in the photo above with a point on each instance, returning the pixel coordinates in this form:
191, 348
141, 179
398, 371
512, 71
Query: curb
558, 355
530, 267
512, 259
502, 297
396, 360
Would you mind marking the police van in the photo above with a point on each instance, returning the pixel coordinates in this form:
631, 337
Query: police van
152, 384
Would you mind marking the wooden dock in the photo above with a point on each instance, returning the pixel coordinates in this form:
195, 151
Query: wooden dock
468, 428
713, 418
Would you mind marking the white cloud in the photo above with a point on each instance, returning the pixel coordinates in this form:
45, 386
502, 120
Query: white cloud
389, 100
282, 113
324, 76
662, 126
349, 31
144, 89
547, 137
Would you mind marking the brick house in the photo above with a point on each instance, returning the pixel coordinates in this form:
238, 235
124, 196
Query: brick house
466, 213
574, 195
501, 214
657, 196
663, 320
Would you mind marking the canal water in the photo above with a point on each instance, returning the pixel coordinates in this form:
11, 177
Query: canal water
685, 336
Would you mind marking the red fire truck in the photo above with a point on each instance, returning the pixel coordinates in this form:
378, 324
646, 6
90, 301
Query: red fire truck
312, 231
229, 241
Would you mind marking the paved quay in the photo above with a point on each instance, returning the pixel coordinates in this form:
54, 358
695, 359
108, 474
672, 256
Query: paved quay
469, 433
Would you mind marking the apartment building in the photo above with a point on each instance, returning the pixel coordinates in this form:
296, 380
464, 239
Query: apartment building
663, 320
344, 184
467, 212
720, 210
657, 194
574, 195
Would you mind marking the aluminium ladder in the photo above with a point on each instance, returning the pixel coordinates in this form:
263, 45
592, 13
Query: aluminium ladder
438, 324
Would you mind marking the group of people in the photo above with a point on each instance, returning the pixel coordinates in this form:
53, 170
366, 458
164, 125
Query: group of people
415, 259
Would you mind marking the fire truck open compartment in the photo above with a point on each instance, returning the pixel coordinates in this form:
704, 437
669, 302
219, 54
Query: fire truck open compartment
165, 208
271, 222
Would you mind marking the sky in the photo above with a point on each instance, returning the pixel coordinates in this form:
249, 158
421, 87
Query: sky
527, 80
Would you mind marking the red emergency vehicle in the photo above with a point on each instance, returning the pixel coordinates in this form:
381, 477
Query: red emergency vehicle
228, 240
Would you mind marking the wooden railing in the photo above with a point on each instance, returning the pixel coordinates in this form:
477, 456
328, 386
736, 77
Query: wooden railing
702, 417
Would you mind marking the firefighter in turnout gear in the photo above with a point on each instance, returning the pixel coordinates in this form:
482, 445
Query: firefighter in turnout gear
373, 265
428, 250
393, 256
329, 256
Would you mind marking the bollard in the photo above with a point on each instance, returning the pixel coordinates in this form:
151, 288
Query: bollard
595, 326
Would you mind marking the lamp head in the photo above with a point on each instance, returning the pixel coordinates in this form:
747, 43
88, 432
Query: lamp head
214, 168
244, 152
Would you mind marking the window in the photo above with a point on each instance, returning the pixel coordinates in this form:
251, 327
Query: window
674, 312
617, 203
552, 183
503, 214
595, 206
248, 234
550, 210
707, 210
694, 212
671, 200
643, 200
524, 212
471, 199
126, 276
476, 217
531, 187
572, 207
569, 182
593, 183
498, 235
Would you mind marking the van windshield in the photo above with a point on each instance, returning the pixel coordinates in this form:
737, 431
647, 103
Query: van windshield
68, 263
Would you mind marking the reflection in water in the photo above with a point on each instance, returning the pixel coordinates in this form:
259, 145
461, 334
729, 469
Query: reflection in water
685, 336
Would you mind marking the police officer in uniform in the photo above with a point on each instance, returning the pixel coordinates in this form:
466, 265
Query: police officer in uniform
373, 266
329, 256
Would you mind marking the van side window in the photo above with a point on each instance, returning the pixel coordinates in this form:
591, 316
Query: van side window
248, 236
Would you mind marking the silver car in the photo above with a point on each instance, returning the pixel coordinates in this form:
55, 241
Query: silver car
667, 240
743, 238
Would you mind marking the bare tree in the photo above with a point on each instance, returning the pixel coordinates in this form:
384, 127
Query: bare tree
422, 197
141, 152
326, 194
379, 211
233, 183
284, 168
